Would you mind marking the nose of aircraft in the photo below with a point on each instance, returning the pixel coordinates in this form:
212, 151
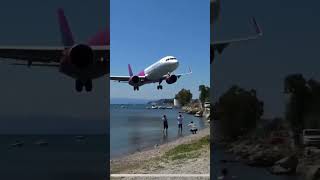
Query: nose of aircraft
175, 62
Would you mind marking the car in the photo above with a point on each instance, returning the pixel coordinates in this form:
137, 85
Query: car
311, 137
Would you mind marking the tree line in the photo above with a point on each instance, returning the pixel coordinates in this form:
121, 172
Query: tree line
239, 110
184, 96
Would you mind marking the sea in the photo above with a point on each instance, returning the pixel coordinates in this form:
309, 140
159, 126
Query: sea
134, 127
53, 157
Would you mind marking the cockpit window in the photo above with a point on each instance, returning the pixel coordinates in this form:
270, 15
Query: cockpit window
170, 59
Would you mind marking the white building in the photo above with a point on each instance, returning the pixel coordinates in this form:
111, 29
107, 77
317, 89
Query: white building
176, 103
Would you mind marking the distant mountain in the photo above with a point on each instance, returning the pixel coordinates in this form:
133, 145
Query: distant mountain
128, 101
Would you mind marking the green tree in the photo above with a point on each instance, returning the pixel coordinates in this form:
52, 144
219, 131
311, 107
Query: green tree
204, 93
237, 111
184, 97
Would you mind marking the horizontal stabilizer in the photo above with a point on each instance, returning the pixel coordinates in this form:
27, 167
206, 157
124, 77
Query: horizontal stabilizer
38, 64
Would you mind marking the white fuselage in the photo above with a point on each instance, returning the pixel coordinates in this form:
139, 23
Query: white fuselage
161, 68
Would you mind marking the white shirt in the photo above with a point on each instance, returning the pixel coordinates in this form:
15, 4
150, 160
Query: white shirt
192, 126
180, 119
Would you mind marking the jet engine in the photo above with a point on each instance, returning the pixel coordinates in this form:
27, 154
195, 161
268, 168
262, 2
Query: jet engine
134, 80
81, 55
171, 79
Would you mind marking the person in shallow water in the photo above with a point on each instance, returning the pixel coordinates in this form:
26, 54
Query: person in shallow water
165, 124
225, 175
180, 119
193, 127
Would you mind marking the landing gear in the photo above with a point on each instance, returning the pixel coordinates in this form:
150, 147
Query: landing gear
88, 85
159, 86
80, 84
136, 88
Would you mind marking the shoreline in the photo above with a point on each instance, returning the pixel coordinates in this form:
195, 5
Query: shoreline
278, 160
120, 156
151, 160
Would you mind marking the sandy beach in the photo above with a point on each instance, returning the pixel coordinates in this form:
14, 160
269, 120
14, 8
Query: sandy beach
186, 155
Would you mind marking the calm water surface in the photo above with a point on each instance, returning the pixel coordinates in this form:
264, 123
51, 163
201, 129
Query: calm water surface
135, 127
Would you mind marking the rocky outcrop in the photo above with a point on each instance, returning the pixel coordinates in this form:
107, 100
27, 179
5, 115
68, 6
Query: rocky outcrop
313, 173
190, 110
257, 153
279, 159
278, 170
286, 165
264, 157
308, 164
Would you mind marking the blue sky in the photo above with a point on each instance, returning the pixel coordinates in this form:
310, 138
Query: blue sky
144, 31
290, 45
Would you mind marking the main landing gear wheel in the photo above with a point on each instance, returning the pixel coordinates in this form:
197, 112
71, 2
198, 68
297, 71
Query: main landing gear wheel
79, 85
159, 87
136, 88
88, 85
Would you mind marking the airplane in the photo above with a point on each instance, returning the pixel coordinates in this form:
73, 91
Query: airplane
219, 46
80, 61
155, 73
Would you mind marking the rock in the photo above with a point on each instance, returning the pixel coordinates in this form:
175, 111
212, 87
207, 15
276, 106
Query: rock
277, 169
285, 165
313, 173
289, 162
306, 162
264, 158
311, 150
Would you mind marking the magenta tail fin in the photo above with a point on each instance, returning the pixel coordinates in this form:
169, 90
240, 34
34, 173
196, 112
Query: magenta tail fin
66, 34
100, 39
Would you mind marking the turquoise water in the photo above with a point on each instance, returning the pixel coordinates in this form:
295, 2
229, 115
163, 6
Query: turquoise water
135, 128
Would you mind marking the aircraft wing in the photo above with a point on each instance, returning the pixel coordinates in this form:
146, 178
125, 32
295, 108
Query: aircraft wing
32, 53
183, 74
101, 51
179, 75
219, 46
42, 54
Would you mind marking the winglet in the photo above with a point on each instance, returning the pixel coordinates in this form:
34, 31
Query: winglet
190, 71
66, 34
130, 70
257, 27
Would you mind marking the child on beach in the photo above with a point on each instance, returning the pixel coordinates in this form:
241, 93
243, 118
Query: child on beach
193, 127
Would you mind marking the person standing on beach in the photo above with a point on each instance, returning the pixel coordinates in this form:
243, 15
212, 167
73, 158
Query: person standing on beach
180, 119
165, 124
